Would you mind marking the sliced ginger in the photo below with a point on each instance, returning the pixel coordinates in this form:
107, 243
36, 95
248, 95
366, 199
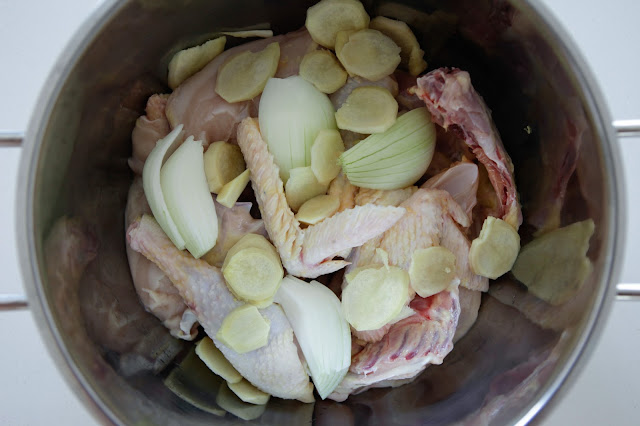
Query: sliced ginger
322, 69
555, 265
342, 37
325, 151
302, 186
189, 61
411, 56
232, 190
318, 209
495, 250
213, 358
244, 329
230, 402
432, 270
223, 162
369, 54
243, 76
193, 382
326, 18
249, 393
253, 270
368, 110
374, 296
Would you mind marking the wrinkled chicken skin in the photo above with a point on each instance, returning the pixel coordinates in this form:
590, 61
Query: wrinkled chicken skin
149, 129
427, 336
306, 253
456, 106
207, 116
275, 368
432, 214
157, 293
409, 346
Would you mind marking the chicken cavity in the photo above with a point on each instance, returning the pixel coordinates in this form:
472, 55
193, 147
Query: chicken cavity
309, 252
455, 105
276, 368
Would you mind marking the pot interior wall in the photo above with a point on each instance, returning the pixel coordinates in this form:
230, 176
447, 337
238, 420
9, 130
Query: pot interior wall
540, 106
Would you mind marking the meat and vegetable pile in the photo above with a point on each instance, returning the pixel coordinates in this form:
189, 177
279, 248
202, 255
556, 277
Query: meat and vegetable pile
386, 202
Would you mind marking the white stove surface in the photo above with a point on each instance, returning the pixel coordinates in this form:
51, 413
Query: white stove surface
34, 32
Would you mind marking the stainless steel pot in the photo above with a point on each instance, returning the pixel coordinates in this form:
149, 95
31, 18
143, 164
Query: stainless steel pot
74, 165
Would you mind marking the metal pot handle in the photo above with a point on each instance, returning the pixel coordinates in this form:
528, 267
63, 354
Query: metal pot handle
626, 291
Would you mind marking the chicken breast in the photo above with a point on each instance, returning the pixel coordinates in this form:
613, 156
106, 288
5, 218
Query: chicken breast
309, 252
275, 368
157, 293
456, 106
207, 116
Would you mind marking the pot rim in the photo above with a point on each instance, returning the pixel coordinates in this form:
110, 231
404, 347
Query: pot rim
549, 394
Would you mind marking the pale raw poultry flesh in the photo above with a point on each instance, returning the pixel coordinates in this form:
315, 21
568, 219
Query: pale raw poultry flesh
306, 253
275, 368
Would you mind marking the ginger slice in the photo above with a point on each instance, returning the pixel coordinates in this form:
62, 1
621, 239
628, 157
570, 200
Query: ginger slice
318, 209
328, 17
215, 360
253, 270
189, 61
432, 270
374, 296
244, 329
231, 191
369, 54
495, 250
223, 162
249, 393
243, 76
322, 69
555, 265
368, 110
302, 186
411, 56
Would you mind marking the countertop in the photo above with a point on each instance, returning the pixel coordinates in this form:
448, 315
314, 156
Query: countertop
34, 32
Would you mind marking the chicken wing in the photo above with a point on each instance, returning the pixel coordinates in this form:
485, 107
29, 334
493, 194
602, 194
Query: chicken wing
309, 252
455, 105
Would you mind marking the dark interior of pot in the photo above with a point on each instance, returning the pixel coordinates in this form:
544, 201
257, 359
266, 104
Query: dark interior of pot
517, 352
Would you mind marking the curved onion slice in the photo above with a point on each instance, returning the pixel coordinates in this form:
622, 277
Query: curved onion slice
153, 188
186, 192
324, 336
